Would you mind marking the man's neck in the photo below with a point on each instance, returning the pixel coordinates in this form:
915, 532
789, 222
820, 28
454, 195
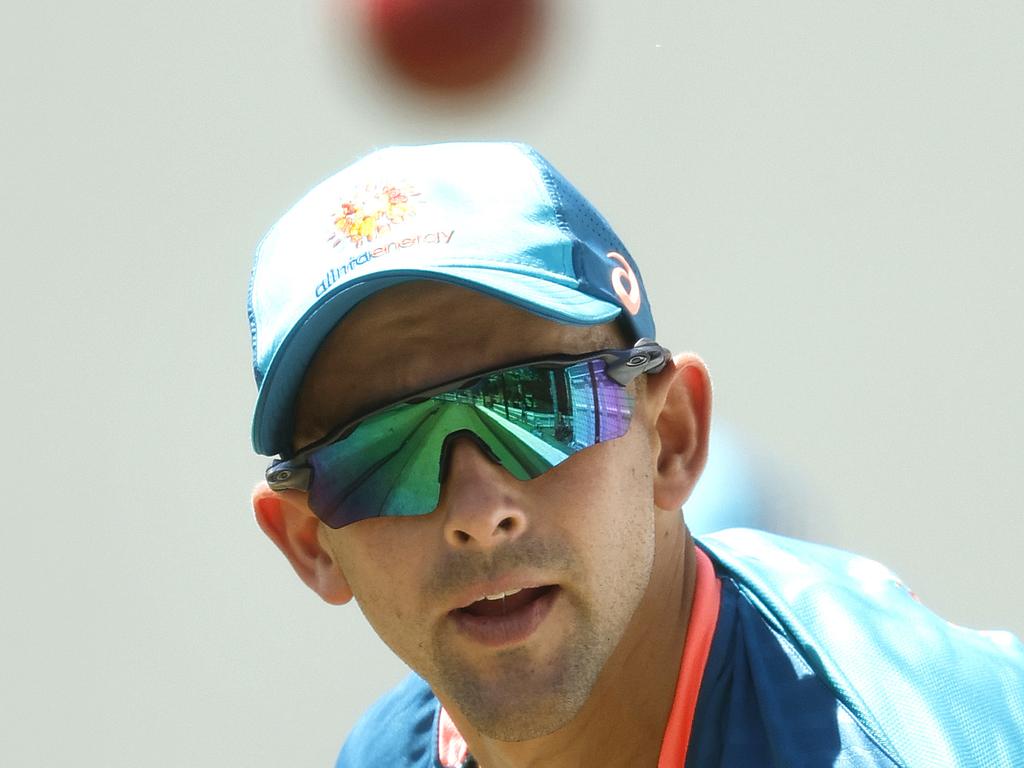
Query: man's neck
624, 719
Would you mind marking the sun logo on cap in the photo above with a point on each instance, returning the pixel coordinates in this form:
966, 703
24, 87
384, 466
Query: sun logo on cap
372, 212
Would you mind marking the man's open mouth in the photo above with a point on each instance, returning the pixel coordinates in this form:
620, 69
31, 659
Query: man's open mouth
506, 617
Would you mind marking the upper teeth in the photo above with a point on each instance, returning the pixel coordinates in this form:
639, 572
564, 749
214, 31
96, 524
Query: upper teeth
499, 595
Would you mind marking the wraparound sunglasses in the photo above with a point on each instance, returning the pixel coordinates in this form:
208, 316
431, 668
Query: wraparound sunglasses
528, 417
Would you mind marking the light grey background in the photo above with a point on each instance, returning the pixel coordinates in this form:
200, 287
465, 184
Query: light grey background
825, 198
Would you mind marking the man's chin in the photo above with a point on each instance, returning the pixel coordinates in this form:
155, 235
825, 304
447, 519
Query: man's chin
520, 698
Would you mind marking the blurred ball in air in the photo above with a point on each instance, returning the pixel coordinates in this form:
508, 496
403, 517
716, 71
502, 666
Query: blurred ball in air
454, 45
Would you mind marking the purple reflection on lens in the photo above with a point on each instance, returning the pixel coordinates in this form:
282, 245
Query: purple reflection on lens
614, 403
601, 408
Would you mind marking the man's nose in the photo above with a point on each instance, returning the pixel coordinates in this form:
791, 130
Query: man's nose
479, 498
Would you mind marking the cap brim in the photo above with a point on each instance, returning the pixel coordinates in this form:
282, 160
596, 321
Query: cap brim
273, 419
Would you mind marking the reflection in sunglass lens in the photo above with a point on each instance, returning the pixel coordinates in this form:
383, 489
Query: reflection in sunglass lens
530, 419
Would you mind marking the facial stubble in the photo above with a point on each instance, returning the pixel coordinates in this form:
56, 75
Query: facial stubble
522, 695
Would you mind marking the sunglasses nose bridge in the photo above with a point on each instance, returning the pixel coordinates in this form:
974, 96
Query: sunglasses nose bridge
479, 505
448, 450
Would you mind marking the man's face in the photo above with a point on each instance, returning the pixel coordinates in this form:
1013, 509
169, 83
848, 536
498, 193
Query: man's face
578, 540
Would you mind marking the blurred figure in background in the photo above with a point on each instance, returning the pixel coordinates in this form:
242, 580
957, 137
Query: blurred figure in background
739, 490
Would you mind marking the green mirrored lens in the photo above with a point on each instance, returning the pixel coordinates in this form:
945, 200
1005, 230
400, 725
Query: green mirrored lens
530, 418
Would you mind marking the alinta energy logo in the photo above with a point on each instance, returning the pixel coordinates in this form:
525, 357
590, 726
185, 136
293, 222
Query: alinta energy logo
372, 213
363, 222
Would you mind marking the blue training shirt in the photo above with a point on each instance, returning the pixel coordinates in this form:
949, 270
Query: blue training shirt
810, 646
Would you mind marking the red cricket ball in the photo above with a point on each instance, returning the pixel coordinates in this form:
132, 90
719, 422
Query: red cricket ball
453, 44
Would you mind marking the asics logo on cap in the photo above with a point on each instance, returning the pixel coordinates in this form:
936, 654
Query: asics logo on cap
372, 212
625, 284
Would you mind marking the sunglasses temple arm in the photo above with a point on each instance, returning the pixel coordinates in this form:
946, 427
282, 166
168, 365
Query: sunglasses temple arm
646, 356
286, 475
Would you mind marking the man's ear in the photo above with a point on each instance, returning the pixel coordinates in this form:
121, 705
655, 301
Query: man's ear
292, 526
682, 395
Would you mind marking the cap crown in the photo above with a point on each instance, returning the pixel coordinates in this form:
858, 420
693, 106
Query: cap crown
494, 217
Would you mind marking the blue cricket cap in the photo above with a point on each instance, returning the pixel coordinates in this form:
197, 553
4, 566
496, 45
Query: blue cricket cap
493, 217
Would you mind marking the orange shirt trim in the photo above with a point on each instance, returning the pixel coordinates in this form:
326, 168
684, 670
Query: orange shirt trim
707, 594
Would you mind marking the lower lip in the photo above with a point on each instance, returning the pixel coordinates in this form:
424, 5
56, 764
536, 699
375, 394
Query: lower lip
515, 627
